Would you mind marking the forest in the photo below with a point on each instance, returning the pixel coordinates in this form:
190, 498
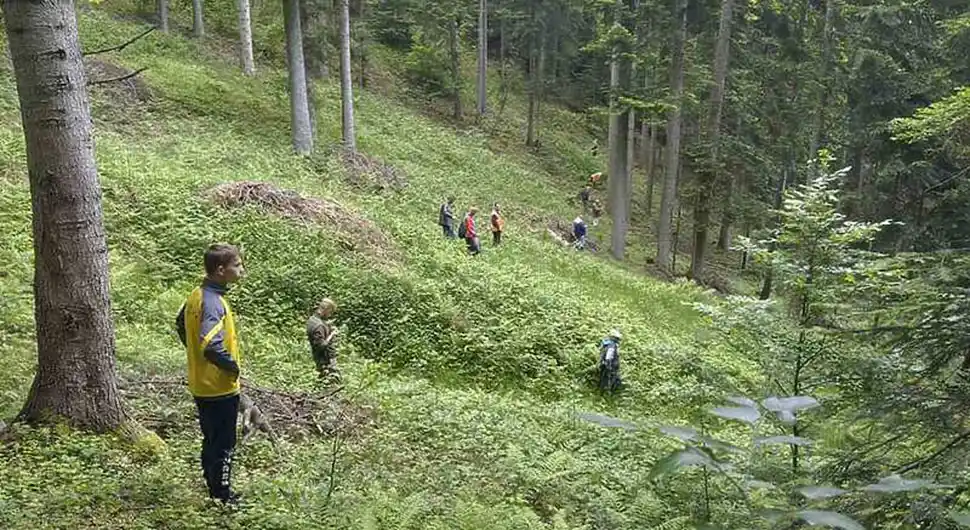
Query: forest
785, 247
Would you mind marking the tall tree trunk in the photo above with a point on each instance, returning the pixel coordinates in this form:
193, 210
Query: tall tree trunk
727, 215
530, 132
198, 27
503, 68
313, 16
299, 105
824, 72
709, 176
245, 39
618, 172
346, 82
779, 197
163, 15
482, 56
362, 52
650, 172
668, 198
75, 379
455, 54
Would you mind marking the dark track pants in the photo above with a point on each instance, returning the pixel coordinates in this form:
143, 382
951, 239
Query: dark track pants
217, 418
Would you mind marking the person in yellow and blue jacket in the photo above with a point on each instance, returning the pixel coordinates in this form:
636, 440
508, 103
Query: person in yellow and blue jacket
207, 328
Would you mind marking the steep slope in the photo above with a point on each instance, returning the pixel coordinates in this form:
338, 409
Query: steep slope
474, 368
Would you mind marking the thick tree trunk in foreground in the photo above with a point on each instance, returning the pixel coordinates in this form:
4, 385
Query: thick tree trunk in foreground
163, 15
198, 27
75, 378
245, 39
668, 198
299, 105
346, 82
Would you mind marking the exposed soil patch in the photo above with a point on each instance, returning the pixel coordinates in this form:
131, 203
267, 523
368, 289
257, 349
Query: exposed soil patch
371, 174
123, 93
164, 405
353, 232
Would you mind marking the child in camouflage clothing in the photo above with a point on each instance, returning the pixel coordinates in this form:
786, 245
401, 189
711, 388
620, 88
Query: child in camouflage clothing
322, 334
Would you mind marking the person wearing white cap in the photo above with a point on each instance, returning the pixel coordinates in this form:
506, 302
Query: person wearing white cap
609, 367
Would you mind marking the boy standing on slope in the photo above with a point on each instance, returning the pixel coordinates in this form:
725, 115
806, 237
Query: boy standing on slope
498, 225
207, 328
322, 335
446, 217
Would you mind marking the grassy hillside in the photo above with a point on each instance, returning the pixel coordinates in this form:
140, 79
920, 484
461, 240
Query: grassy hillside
471, 371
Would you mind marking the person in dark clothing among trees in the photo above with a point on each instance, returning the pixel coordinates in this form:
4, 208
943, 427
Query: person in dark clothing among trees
584, 196
207, 328
322, 335
446, 218
609, 364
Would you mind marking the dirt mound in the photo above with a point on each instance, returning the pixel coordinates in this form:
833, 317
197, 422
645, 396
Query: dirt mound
367, 173
353, 232
108, 80
163, 405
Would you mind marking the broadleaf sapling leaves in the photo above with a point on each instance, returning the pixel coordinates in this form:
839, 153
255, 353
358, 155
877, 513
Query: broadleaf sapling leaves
831, 519
606, 421
894, 484
679, 459
961, 518
784, 439
684, 434
791, 404
820, 492
743, 401
748, 415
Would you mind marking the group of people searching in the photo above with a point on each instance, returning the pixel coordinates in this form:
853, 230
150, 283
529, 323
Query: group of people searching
467, 228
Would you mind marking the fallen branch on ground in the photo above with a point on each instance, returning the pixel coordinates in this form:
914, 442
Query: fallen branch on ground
116, 79
122, 46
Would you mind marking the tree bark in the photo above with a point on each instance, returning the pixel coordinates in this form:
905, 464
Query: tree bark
618, 149
482, 56
709, 176
302, 131
198, 27
779, 197
346, 81
455, 54
651, 151
76, 379
668, 198
362, 53
245, 39
315, 30
503, 68
534, 79
727, 216
163, 15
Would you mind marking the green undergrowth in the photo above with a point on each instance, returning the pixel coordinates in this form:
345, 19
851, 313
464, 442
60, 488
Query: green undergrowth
476, 367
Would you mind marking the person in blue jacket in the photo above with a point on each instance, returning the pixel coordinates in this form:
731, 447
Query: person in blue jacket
579, 232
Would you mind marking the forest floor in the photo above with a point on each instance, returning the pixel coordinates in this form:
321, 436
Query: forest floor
463, 378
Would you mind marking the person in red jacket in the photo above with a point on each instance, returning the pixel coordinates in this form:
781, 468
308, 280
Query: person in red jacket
471, 236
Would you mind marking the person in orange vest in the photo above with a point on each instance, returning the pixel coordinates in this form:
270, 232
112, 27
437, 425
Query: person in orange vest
498, 225
467, 231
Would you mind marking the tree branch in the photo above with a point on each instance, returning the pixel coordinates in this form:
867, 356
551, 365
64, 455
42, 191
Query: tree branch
122, 46
917, 463
116, 79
